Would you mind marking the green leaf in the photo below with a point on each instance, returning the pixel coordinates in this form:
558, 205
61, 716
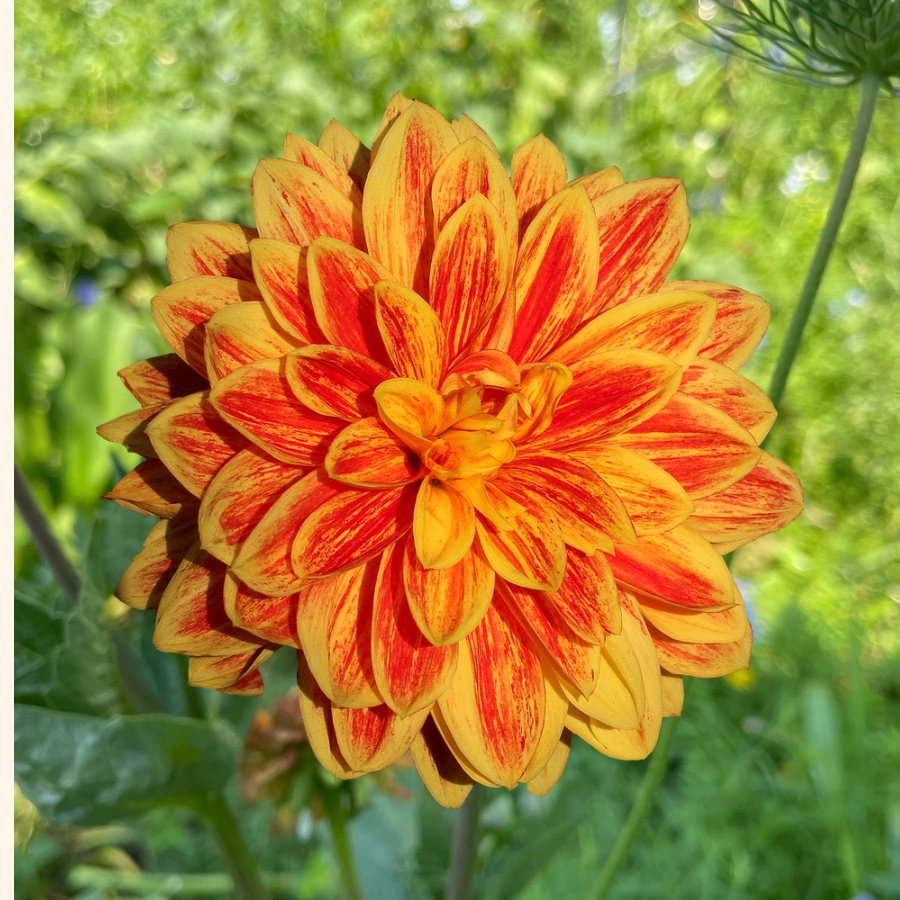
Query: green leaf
83, 770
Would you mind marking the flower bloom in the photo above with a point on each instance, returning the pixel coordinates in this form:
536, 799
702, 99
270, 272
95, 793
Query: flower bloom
453, 436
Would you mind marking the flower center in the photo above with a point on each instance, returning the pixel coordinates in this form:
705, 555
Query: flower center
474, 436
463, 433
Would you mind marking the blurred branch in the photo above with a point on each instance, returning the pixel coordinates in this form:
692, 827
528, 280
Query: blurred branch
44, 539
868, 96
463, 847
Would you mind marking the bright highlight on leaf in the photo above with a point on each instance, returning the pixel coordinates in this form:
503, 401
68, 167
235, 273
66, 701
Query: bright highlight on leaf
451, 435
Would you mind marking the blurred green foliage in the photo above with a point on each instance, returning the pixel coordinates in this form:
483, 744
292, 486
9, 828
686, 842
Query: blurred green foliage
131, 117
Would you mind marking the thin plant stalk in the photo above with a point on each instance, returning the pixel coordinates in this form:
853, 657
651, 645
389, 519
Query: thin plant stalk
248, 884
869, 87
337, 820
463, 847
642, 803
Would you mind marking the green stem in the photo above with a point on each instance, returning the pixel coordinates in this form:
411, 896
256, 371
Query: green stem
174, 884
464, 846
642, 803
337, 819
248, 884
869, 87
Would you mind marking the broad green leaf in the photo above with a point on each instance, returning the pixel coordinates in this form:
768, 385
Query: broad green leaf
83, 770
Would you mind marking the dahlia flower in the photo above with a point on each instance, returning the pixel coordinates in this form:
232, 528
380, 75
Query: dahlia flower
453, 436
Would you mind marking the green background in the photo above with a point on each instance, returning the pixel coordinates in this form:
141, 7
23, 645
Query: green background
132, 116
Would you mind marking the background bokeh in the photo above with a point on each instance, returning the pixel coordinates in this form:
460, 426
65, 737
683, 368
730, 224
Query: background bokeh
132, 116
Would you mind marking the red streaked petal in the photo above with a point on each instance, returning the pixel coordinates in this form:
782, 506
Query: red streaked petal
471, 169
223, 672
396, 105
672, 693
577, 660
734, 395
282, 275
597, 183
653, 499
695, 626
443, 524
145, 580
642, 227
209, 248
371, 739
300, 150
193, 441
587, 509
182, 310
703, 448
412, 333
542, 385
620, 695
532, 554
588, 598
438, 768
397, 203
447, 603
334, 381
703, 660
350, 528
411, 409
160, 379
673, 323
258, 401
741, 321
465, 128
240, 334
238, 497
272, 619
447, 737
334, 623
611, 393
264, 558
411, 673
538, 172
469, 272
315, 709
294, 203
556, 271
342, 283
679, 567
765, 500
130, 430
367, 454
346, 150
151, 489
547, 777
495, 705
191, 617
636, 743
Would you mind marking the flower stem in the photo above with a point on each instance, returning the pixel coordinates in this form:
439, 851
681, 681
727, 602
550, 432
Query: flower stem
869, 87
463, 847
241, 863
642, 803
337, 819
